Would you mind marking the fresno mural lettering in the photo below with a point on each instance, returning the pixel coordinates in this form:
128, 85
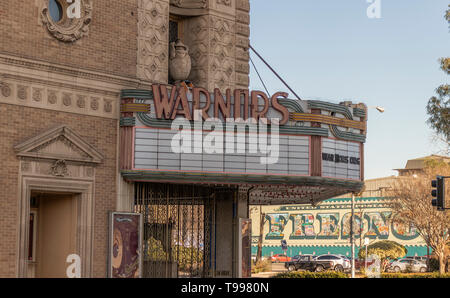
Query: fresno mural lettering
345, 223
404, 231
277, 222
302, 226
329, 227
377, 225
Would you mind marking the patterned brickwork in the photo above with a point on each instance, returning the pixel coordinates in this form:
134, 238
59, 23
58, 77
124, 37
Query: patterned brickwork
109, 47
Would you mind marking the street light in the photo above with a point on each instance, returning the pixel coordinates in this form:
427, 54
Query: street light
352, 240
378, 108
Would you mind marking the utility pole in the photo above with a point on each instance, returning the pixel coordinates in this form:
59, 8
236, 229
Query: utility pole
352, 236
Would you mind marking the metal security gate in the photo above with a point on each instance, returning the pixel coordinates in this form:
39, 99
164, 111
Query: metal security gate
177, 226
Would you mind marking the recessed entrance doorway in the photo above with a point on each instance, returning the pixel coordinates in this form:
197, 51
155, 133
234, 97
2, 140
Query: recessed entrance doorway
52, 233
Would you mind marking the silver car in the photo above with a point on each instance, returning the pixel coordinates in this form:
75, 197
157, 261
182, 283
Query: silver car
407, 265
340, 263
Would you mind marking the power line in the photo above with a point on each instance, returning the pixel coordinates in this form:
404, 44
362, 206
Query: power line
278, 76
267, 91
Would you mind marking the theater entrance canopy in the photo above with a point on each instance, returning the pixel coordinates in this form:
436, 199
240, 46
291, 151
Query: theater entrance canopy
282, 151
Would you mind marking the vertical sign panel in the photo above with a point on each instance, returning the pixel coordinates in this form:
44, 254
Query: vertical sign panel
341, 159
125, 245
245, 236
244, 155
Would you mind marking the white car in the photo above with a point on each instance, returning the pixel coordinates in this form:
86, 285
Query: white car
340, 263
411, 265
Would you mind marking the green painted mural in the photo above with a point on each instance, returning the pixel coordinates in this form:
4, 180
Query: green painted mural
326, 227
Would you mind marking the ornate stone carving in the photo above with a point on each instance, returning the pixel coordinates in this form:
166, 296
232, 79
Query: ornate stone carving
26, 166
153, 41
81, 102
68, 29
22, 92
67, 99
190, 3
59, 168
212, 43
89, 171
37, 94
224, 2
52, 97
6, 90
94, 103
180, 61
108, 106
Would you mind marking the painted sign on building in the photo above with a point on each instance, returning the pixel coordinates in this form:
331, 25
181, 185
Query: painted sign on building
326, 227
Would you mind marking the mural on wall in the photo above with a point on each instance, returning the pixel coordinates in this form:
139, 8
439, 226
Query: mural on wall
302, 226
329, 227
378, 224
357, 225
277, 222
319, 223
404, 231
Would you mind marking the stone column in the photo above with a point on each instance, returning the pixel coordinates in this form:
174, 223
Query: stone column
242, 43
153, 41
218, 43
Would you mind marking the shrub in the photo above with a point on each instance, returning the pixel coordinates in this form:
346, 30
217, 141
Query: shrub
415, 275
307, 274
261, 266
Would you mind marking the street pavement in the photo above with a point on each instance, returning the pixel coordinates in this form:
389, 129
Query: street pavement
276, 268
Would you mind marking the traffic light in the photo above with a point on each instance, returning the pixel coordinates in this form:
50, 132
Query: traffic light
438, 192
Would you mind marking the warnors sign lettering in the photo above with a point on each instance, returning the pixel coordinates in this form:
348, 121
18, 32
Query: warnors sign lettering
243, 135
240, 104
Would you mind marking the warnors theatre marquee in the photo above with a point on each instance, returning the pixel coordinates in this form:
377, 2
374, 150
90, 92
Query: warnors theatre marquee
188, 147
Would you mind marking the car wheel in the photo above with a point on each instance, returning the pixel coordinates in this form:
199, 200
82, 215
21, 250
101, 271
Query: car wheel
423, 269
291, 268
396, 269
338, 268
319, 268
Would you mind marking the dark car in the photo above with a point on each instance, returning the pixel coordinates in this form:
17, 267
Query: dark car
308, 262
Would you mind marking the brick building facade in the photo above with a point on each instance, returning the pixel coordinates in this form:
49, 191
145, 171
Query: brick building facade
86, 136
60, 83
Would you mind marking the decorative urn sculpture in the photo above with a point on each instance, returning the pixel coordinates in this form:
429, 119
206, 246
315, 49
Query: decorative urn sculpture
179, 61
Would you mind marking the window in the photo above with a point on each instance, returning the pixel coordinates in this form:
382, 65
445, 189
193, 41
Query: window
175, 28
32, 236
55, 10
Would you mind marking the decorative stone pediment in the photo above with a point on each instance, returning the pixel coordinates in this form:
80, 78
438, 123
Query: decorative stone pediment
188, 7
190, 4
59, 143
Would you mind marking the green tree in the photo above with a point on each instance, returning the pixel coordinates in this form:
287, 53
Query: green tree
385, 250
438, 107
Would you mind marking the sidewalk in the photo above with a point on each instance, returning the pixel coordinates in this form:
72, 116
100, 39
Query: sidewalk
264, 274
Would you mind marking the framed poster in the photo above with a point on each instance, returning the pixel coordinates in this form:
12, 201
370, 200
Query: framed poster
245, 235
125, 245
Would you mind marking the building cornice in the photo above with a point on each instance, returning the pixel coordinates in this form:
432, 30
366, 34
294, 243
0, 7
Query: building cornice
42, 66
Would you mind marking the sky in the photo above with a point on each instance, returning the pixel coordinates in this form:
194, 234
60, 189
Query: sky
332, 51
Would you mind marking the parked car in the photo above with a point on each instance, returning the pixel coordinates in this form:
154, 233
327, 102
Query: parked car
405, 265
361, 263
340, 263
280, 258
420, 259
296, 258
308, 262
